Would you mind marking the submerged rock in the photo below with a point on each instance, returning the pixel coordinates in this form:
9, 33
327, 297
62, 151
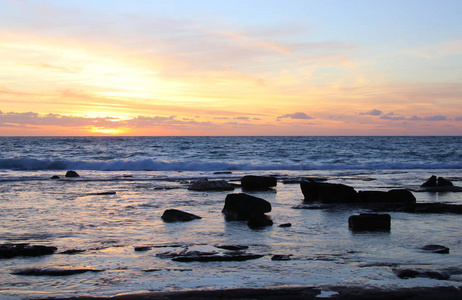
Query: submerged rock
175, 215
259, 221
72, 251
281, 257
204, 184
24, 249
142, 248
252, 182
327, 192
243, 207
197, 256
54, 177
392, 196
410, 273
286, 225
436, 249
370, 222
233, 247
52, 271
72, 174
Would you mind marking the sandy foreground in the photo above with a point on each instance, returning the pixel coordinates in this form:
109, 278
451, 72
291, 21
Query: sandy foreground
331, 292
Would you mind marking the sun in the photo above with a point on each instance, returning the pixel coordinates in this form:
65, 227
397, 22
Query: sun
108, 131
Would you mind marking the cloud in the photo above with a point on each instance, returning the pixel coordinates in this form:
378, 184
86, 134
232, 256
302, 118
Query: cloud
436, 118
390, 116
297, 116
374, 112
242, 118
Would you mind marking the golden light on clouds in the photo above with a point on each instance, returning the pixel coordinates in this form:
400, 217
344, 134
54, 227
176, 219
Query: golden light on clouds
159, 74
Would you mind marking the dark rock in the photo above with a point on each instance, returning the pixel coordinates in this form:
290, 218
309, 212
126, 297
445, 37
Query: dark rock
281, 257
233, 247
223, 172
175, 215
52, 271
54, 177
434, 182
286, 225
13, 250
102, 193
72, 174
392, 196
427, 208
195, 257
431, 182
370, 222
409, 273
72, 251
444, 182
327, 192
259, 221
436, 249
243, 207
251, 182
204, 184
142, 248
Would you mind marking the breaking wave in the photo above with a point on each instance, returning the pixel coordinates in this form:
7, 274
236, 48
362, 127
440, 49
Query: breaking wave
27, 164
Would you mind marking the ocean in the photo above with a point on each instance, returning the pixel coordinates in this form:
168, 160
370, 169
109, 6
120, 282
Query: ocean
99, 219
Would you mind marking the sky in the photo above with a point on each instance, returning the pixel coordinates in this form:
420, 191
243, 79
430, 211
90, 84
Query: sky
260, 67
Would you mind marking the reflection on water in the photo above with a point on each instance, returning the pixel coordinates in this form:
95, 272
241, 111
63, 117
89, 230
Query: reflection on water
71, 215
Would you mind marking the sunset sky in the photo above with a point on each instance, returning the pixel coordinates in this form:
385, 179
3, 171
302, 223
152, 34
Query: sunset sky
253, 67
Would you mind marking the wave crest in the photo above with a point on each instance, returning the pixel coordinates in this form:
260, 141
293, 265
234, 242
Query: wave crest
26, 164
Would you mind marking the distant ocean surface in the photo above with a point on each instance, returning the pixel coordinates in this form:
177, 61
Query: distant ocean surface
229, 153
126, 183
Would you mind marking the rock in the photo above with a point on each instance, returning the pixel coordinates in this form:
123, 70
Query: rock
196, 256
281, 257
409, 273
233, 247
327, 192
259, 221
13, 250
243, 207
204, 184
392, 196
72, 251
444, 182
223, 172
432, 181
54, 177
286, 225
72, 174
370, 222
436, 249
142, 248
52, 271
175, 215
251, 182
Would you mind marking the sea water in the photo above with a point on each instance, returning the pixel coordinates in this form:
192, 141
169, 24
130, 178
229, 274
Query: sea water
126, 183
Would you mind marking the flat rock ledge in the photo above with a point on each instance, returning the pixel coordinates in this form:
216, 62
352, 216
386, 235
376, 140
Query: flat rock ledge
53, 271
424, 208
296, 293
24, 249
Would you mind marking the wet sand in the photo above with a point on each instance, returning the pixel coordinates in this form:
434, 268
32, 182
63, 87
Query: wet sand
331, 292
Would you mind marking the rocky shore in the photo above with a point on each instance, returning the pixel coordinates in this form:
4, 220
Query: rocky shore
306, 293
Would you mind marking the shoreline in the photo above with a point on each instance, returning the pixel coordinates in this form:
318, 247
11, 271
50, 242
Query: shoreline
299, 292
